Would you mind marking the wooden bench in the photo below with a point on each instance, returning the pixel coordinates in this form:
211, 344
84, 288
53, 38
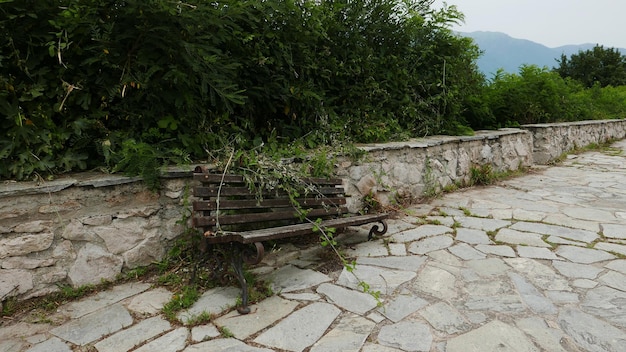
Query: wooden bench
228, 212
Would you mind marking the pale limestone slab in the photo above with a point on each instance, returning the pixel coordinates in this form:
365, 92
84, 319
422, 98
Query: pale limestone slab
540, 275
611, 247
430, 244
213, 301
559, 240
484, 224
583, 255
351, 300
564, 220
574, 270
173, 341
93, 326
133, 336
301, 329
548, 338
446, 258
421, 232
224, 345
608, 303
466, 252
411, 263
472, 236
407, 336
584, 283
519, 237
493, 336
590, 333
445, 318
370, 347
528, 215
436, 282
304, 296
499, 250
379, 279
397, 249
53, 344
402, 306
617, 265
559, 231
204, 332
590, 214
149, 302
536, 301
488, 267
262, 315
506, 303
103, 299
536, 253
563, 297
613, 231
348, 336
290, 278
368, 249
614, 279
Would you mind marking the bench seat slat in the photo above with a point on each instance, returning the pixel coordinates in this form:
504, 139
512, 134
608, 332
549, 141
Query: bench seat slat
293, 230
206, 221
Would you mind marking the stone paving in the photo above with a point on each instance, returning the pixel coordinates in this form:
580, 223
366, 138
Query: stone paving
535, 263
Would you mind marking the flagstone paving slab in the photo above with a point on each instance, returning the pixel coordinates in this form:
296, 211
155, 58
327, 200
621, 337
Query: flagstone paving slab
348, 336
262, 315
301, 329
93, 326
493, 336
407, 336
583, 255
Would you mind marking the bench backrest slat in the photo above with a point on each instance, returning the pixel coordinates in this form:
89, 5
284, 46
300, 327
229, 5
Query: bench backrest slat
226, 191
231, 179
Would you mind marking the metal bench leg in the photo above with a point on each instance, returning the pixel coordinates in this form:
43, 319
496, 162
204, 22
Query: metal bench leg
238, 269
376, 231
240, 255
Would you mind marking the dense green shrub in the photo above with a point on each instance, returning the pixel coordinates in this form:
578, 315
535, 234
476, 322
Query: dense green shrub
129, 85
535, 95
85, 83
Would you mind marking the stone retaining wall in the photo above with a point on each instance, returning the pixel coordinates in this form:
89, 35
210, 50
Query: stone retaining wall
552, 140
85, 228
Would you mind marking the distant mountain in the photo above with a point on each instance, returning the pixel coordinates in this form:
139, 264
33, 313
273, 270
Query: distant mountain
503, 51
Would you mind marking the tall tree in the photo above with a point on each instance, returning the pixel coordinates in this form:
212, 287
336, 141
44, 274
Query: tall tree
603, 66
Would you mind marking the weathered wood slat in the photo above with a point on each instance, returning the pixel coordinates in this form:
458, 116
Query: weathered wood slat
213, 191
293, 230
208, 205
205, 221
228, 178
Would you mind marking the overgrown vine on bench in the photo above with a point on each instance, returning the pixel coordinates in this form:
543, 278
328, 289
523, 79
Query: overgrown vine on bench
266, 171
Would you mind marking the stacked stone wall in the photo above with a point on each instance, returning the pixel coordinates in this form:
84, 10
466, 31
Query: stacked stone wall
84, 228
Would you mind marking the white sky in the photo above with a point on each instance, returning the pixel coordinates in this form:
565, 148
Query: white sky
549, 22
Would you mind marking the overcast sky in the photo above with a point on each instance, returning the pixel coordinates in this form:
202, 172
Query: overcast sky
549, 22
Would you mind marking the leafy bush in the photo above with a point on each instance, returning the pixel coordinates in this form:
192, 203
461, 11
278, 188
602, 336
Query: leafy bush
86, 81
535, 95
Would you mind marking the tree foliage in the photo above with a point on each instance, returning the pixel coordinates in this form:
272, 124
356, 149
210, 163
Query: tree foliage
603, 66
129, 85
86, 82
